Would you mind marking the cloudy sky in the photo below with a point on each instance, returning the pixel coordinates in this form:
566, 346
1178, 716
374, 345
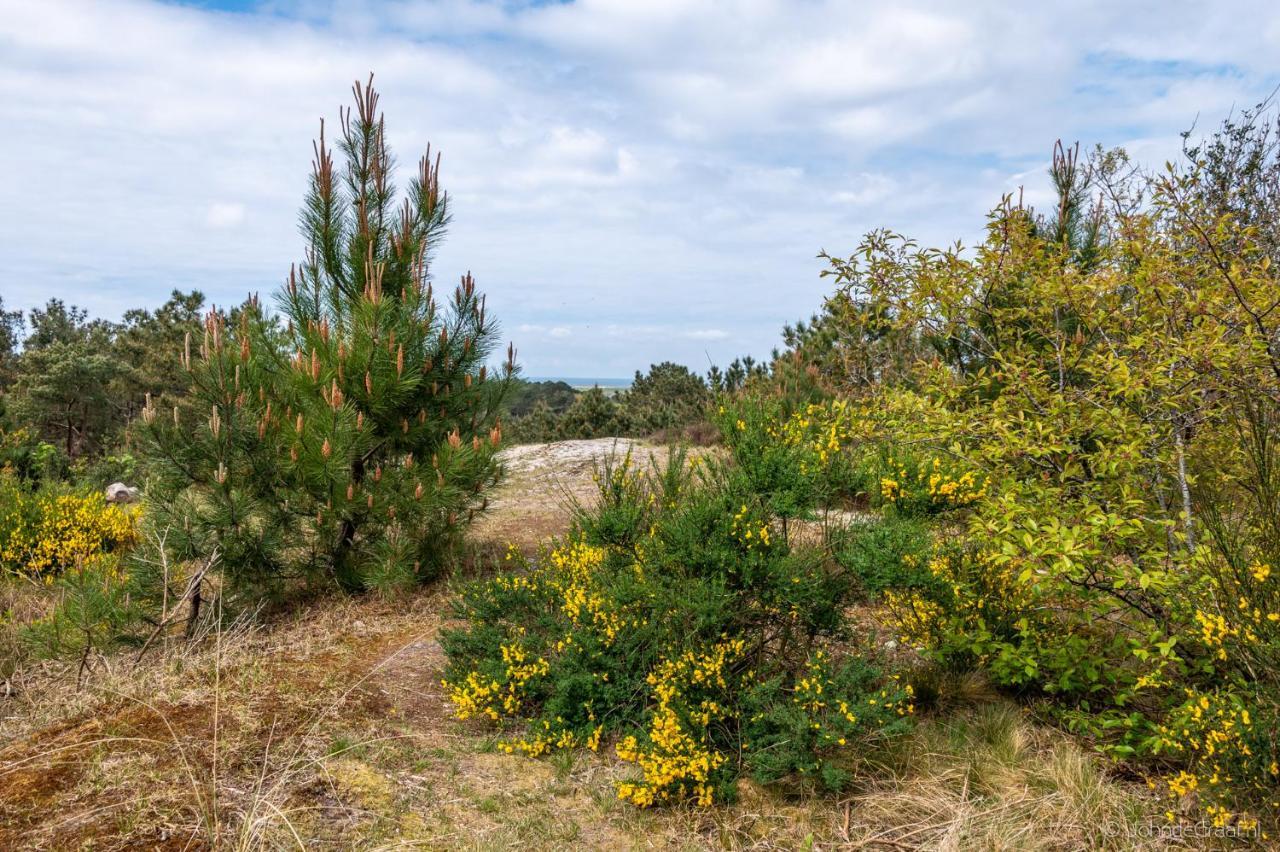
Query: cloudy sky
633, 180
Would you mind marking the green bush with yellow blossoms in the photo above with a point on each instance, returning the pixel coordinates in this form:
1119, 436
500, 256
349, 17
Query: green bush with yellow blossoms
1088, 420
47, 531
75, 545
680, 625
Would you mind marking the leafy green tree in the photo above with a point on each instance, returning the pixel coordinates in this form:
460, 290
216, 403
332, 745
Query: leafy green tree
359, 449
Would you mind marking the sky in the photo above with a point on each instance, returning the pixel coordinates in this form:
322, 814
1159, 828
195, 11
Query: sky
632, 180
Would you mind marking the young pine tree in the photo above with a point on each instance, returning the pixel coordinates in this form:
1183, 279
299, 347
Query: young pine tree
354, 437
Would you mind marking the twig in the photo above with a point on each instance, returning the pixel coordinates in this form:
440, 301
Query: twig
192, 594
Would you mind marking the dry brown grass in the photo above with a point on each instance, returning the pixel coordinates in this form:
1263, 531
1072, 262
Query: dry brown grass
986, 778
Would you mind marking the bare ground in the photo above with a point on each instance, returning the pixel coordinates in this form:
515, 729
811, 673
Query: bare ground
329, 730
542, 483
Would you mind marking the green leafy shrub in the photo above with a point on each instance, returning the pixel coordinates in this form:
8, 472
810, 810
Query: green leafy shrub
30, 459
1097, 389
885, 553
677, 617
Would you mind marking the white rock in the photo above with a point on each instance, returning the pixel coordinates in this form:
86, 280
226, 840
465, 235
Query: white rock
118, 492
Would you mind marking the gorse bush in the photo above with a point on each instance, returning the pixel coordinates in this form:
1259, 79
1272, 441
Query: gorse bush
834, 439
76, 547
47, 531
885, 552
915, 486
677, 622
356, 439
787, 474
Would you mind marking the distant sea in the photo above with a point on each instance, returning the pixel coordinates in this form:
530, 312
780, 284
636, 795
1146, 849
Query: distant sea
584, 382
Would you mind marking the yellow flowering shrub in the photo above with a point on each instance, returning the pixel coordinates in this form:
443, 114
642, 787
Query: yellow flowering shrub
1227, 743
929, 486
647, 628
972, 609
46, 532
1224, 730
678, 757
1107, 413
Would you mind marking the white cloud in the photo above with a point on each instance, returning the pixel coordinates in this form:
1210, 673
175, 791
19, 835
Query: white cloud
224, 215
707, 334
631, 181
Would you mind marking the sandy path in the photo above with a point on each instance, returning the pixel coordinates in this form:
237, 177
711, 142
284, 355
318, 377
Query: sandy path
536, 498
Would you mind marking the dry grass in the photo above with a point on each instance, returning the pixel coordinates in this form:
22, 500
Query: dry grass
985, 778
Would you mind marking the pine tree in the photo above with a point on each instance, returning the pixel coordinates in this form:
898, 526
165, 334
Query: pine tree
669, 396
592, 415
353, 437
62, 390
1077, 220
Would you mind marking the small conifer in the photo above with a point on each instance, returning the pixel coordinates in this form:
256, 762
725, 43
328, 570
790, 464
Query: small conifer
355, 435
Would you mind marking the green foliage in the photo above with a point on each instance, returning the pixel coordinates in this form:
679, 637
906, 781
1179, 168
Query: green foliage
90, 607
538, 426
28, 458
527, 396
148, 342
10, 335
740, 374
801, 732
63, 551
1237, 175
677, 617
1095, 434
665, 401
64, 392
78, 383
885, 553
592, 415
787, 475
355, 442
668, 397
